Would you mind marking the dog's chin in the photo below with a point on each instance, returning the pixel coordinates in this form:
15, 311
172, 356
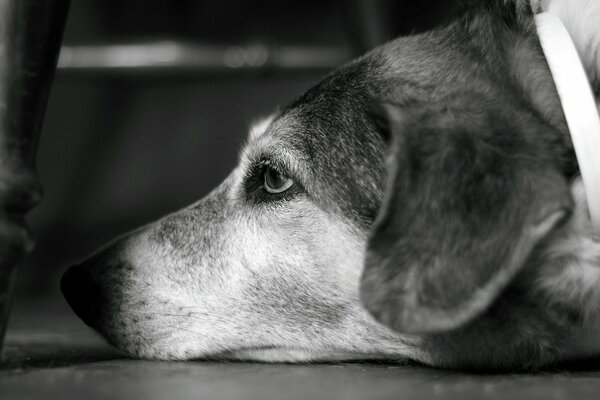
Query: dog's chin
301, 355
266, 354
271, 354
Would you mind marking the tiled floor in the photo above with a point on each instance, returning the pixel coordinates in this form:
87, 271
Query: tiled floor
49, 354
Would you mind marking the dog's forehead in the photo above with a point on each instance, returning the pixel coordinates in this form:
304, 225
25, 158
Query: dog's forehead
328, 131
327, 135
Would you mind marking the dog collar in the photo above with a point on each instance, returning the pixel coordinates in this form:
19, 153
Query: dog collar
578, 106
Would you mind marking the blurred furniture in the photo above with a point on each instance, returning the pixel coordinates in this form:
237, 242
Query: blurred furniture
30, 38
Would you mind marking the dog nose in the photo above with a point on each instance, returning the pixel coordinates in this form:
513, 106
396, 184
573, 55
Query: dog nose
82, 294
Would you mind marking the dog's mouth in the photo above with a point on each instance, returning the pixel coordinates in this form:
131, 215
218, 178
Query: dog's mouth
286, 354
245, 353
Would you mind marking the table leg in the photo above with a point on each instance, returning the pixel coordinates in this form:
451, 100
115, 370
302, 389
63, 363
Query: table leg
30, 38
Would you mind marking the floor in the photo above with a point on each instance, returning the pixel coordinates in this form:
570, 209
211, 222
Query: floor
50, 354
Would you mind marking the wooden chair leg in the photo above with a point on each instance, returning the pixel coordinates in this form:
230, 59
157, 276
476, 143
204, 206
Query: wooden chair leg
30, 37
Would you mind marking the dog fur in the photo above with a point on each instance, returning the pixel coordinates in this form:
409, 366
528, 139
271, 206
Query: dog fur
469, 248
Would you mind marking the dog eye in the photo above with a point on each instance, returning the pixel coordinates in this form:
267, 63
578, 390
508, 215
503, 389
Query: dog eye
276, 182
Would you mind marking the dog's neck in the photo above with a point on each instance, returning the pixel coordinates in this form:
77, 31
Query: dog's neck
577, 101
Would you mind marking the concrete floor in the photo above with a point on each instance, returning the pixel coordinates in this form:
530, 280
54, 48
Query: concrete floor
50, 354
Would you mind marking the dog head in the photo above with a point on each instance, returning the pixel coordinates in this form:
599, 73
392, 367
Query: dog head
269, 266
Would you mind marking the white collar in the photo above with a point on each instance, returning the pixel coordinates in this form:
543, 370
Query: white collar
577, 103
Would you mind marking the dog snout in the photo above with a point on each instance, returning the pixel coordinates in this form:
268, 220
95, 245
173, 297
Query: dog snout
82, 293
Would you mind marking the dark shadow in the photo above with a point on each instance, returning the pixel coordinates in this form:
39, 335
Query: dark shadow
59, 359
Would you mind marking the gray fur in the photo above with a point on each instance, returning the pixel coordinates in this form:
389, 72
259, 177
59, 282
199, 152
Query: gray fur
243, 274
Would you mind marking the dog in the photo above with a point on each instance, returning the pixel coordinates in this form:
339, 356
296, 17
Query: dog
422, 203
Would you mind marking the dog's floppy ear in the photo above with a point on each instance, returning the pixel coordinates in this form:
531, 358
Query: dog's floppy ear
467, 199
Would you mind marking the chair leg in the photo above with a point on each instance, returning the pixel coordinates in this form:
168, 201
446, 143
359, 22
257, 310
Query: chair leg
30, 38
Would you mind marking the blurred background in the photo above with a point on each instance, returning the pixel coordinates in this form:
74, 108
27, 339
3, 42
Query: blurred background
152, 100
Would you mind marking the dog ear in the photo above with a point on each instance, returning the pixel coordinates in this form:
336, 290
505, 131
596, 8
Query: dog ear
467, 199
